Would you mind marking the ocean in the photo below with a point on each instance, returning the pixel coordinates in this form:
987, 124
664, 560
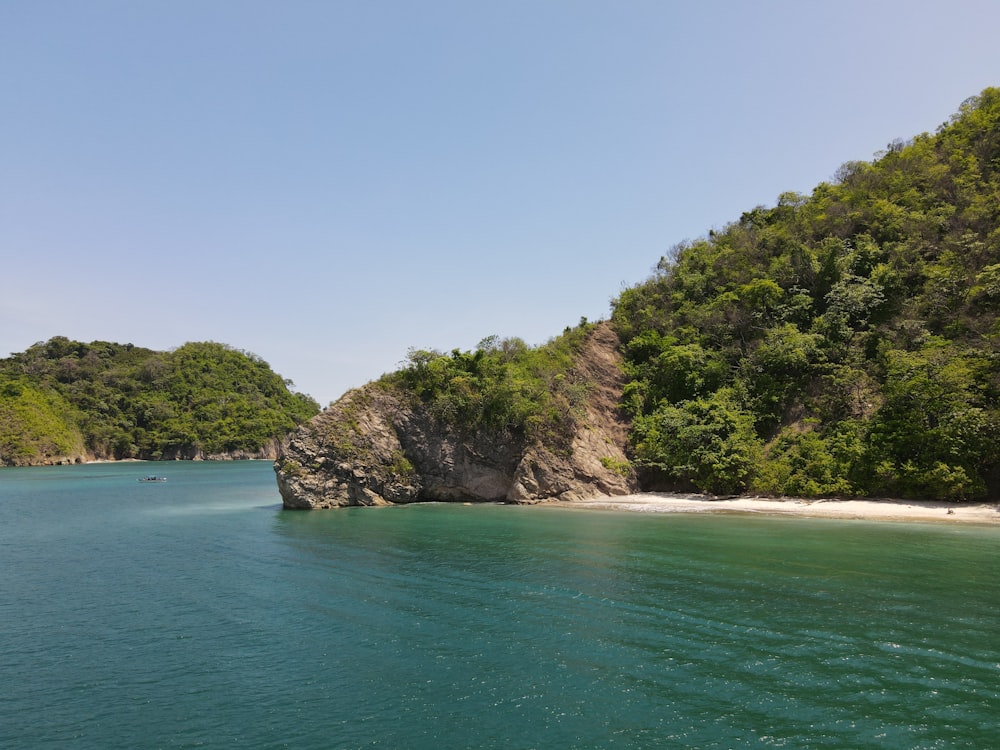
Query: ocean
196, 613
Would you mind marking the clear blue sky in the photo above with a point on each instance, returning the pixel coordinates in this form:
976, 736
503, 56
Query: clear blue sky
329, 183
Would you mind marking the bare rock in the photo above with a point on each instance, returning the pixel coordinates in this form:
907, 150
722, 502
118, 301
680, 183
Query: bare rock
376, 447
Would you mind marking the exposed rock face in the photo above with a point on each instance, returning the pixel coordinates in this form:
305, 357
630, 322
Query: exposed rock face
267, 451
376, 447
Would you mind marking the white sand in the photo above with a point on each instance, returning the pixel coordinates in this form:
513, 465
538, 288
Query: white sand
870, 510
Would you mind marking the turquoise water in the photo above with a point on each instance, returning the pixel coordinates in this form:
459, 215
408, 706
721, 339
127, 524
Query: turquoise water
197, 614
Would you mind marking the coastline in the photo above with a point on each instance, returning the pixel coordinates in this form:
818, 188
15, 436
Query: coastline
854, 509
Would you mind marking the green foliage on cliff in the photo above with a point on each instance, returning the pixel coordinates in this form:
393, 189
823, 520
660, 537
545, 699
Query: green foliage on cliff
503, 386
62, 397
846, 342
35, 423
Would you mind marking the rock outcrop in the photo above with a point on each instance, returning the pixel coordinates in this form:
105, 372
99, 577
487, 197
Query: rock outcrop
379, 446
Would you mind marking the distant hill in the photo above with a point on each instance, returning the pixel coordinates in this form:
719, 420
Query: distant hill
841, 343
64, 401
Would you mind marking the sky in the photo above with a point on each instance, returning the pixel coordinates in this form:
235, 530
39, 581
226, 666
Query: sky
328, 184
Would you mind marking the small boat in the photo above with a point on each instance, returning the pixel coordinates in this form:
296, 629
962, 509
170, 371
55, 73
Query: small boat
152, 478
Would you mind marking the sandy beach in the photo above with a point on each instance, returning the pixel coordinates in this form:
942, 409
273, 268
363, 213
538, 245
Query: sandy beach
868, 510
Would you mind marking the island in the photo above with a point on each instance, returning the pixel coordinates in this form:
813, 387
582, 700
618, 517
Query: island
842, 344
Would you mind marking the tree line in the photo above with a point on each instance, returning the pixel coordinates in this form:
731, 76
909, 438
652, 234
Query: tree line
64, 399
841, 343
503, 386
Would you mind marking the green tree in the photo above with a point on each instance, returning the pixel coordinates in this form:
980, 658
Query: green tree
857, 329
126, 401
708, 444
35, 425
934, 436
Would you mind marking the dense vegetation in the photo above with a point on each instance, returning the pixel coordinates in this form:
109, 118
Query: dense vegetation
503, 386
842, 343
64, 398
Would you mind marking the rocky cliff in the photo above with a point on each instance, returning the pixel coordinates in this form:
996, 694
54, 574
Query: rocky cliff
378, 445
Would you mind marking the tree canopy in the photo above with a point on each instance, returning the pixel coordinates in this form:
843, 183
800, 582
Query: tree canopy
503, 386
845, 342
63, 398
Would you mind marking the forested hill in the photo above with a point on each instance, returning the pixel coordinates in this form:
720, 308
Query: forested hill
841, 343
64, 400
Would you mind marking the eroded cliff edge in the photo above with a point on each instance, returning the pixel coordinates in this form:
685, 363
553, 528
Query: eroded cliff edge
378, 445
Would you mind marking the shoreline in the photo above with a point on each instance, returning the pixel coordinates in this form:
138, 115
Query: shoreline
855, 509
